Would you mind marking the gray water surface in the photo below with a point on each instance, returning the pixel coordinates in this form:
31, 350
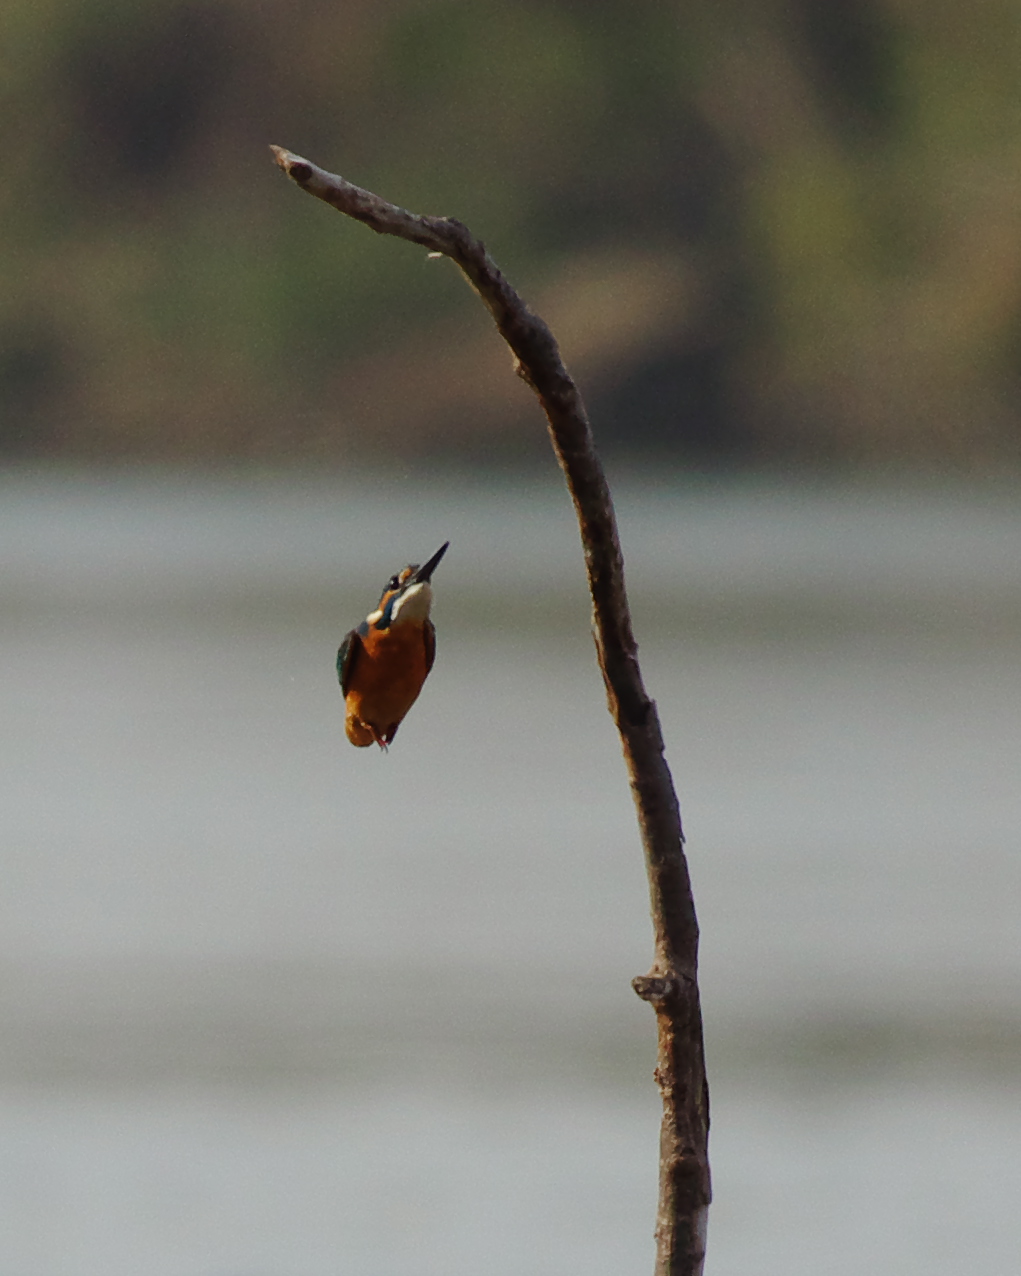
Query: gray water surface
273, 1006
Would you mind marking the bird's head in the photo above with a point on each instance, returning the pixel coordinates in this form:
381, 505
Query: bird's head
408, 594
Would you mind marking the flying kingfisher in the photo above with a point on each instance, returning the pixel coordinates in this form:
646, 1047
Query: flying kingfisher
384, 662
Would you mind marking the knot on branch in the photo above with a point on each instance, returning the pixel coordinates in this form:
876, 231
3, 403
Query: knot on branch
639, 710
656, 989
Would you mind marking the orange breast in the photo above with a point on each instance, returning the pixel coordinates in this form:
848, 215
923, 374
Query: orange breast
385, 683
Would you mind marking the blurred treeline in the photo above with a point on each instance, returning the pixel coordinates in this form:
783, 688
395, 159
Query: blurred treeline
762, 229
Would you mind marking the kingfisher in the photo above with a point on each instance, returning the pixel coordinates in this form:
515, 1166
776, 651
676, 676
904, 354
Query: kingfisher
384, 662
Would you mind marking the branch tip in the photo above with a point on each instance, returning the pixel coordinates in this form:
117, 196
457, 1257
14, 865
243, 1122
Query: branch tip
298, 169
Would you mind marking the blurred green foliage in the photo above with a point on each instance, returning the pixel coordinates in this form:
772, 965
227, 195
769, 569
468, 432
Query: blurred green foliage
837, 184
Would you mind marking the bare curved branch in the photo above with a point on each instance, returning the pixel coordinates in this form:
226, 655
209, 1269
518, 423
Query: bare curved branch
671, 986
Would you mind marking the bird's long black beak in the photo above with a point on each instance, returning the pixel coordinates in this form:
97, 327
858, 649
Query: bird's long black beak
425, 572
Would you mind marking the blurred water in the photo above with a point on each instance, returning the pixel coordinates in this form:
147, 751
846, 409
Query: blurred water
272, 1005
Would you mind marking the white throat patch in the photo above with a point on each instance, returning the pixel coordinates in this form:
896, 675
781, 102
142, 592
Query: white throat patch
413, 604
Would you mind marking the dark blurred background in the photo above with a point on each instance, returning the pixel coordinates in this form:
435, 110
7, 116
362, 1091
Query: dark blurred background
765, 233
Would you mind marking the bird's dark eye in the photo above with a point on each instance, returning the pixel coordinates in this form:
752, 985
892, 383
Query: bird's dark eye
393, 583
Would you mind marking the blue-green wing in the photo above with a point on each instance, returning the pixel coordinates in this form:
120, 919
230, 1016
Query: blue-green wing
347, 657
